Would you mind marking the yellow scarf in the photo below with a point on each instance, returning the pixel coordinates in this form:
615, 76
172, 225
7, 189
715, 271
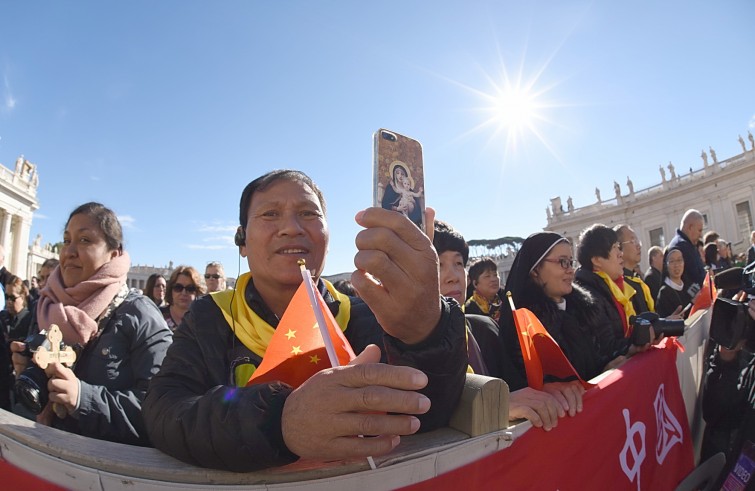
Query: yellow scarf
251, 330
645, 290
623, 297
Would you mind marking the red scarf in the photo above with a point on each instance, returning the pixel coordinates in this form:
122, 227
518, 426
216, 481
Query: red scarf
76, 309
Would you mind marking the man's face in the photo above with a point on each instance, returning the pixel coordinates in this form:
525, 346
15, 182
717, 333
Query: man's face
214, 279
44, 273
631, 247
657, 261
694, 230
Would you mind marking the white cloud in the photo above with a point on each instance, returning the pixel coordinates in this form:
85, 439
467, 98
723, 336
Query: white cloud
217, 228
40, 216
10, 101
94, 178
127, 221
752, 121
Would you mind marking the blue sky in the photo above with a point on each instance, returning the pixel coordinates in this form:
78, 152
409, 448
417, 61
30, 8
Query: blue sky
165, 110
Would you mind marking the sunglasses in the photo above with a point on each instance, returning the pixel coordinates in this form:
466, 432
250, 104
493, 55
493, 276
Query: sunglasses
178, 288
11, 298
213, 276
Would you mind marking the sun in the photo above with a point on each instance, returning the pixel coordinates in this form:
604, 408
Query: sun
515, 109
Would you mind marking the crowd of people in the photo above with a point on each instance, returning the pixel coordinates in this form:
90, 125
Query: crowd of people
170, 367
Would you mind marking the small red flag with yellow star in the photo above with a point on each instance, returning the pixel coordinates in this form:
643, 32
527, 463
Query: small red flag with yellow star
296, 350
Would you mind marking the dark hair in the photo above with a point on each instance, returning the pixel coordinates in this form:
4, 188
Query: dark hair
186, 271
16, 286
480, 266
345, 287
264, 181
51, 263
150, 287
595, 241
446, 238
711, 254
106, 220
710, 236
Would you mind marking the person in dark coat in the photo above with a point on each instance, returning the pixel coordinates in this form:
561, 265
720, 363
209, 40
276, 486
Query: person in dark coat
673, 296
200, 409
686, 240
489, 353
653, 276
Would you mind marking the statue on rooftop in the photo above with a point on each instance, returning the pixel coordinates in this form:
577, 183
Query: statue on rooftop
671, 170
597, 195
630, 185
713, 155
569, 204
705, 159
742, 142
752, 141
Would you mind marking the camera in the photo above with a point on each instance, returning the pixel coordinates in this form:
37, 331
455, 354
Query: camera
730, 322
641, 327
43, 348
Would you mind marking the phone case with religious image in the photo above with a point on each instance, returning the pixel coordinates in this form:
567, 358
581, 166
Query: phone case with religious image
399, 179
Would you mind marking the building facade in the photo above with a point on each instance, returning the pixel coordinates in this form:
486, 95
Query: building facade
18, 201
724, 192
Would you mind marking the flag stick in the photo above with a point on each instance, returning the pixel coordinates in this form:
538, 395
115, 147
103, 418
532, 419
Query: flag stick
309, 285
524, 332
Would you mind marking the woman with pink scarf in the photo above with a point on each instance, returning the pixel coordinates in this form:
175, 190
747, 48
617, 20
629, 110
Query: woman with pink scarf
119, 335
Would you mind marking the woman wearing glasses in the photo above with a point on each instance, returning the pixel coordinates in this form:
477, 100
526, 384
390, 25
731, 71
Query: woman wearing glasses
184, 286
672, 297
541, 280
119, 334
601, 273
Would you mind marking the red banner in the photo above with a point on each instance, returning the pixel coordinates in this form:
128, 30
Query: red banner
632, 434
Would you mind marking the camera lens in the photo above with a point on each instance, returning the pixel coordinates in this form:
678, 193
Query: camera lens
31, 389
389, 136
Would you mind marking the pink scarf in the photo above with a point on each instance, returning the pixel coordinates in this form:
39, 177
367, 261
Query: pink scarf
76, 309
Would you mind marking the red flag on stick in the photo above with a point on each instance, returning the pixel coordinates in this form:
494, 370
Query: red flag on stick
296, 350
542, 355
705, 297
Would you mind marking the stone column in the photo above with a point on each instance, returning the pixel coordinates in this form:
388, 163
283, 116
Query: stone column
5, 219
21, 230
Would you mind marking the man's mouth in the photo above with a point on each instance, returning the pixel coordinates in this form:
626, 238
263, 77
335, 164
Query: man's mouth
293, 250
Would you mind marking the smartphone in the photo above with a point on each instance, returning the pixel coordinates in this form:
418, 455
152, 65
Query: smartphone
399, 177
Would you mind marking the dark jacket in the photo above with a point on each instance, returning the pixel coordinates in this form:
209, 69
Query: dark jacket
639, 302
471, 307
114, 370
729, 407
751, 254
15, 328
196, 413
654, 280
669, 299
574, 329
609, 332
694, 268
498, 356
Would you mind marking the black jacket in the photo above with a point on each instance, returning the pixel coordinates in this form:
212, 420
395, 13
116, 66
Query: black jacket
694, 269
639, 302
609, 332
669, 299
729, 407
654, 280
195, 413
500, 357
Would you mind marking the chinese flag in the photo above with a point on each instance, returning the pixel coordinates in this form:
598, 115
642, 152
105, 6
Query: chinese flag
542, 355
296, 350
705, 297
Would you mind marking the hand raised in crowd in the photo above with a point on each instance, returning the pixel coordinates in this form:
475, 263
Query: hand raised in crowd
321, 418
538, 407
397, 274
20, 362
568, 394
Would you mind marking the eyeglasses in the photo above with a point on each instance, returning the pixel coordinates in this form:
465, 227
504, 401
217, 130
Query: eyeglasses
11, 298
213, 276
178, 288
633, 242
565, 263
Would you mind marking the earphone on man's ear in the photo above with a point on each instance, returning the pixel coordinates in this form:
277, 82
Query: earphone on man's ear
240, 238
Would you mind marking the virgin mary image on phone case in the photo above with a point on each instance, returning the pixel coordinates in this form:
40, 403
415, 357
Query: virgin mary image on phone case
399, 193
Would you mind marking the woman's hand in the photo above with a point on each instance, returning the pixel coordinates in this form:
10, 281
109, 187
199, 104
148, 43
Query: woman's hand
20, 362
568, 394
537, 406
63, 386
